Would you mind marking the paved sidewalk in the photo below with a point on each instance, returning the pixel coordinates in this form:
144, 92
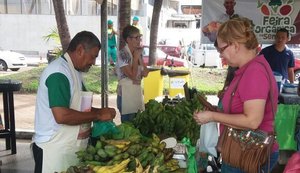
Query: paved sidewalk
25, 109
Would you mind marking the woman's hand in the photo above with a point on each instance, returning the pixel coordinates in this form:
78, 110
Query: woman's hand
203, 117
137, 54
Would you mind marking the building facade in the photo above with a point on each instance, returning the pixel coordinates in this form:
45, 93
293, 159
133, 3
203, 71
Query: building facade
25, 23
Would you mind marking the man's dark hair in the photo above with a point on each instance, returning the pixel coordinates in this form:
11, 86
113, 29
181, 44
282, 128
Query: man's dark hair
284, 30
86, 38
129, 30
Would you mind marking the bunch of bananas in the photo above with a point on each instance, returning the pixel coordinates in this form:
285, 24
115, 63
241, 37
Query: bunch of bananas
117, 168
142, 156
127, 151
170, 120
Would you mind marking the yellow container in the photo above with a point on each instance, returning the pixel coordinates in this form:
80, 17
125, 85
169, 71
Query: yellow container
153, 85
177, 78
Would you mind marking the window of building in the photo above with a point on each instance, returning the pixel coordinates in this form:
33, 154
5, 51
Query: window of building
3, 7
29, 7
112, 7
45, 7
151, 2
93, 8
14, 7
191, 9
74, 7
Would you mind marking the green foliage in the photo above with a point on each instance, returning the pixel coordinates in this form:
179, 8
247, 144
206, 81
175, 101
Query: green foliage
29, 79
53, 35
208, 81
93, 80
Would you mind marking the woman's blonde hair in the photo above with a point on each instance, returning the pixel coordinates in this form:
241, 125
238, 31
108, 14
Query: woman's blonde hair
238, 30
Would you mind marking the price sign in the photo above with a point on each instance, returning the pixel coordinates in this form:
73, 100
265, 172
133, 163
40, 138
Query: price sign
177, 83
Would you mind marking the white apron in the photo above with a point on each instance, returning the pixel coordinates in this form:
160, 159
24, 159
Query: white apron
59, 151
132, 97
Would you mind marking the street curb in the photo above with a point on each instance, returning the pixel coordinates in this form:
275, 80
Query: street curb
24, 134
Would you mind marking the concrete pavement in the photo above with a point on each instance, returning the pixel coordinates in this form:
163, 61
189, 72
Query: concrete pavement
25, 108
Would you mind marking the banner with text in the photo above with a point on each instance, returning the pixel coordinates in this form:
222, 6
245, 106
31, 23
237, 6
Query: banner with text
267, 15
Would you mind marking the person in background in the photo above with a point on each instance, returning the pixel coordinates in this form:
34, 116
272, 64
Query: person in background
251, 106
190, 51
130, 70
111, 43
229, 11
280, 57
61, 127
210, 30
135, 22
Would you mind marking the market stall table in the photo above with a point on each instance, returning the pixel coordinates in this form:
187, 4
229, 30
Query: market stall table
7, 87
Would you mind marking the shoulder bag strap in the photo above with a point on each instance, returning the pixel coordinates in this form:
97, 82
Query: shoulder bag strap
273, 110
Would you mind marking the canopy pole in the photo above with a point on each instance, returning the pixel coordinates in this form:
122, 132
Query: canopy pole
104, 60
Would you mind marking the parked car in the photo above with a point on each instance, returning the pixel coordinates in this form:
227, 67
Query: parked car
172, 46
12, 60
206, 55
171, 50
164, 60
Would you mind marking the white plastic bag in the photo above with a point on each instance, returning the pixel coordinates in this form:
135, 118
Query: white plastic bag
209, 138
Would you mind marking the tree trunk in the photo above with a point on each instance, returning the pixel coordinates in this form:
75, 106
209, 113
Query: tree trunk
62, 25
154, 31
124, 19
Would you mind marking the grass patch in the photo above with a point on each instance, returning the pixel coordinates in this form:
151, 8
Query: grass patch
206, 80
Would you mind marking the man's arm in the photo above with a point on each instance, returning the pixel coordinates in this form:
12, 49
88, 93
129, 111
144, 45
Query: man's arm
68, 116
291, 74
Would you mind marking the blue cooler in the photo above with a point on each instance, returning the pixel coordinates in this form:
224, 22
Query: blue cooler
279, 80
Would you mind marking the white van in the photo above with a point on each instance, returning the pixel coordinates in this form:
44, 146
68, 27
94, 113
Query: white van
206, 55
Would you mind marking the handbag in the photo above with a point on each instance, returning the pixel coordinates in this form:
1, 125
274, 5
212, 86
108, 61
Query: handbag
247, 150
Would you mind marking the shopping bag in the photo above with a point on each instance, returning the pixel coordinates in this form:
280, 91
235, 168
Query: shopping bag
209, 138
103, 127
191, 152
285, 125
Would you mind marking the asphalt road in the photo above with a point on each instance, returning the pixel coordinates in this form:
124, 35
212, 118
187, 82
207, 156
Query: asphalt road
9, 72
32, 62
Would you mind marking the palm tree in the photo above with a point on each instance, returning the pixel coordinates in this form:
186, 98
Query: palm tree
124, 18
154, 31
62, 25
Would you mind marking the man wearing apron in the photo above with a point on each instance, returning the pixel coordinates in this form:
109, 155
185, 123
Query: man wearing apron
62, 122
130, 69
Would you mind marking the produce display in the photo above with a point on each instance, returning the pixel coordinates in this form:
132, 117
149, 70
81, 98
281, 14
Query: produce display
126, 151
136, 147
170, 119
